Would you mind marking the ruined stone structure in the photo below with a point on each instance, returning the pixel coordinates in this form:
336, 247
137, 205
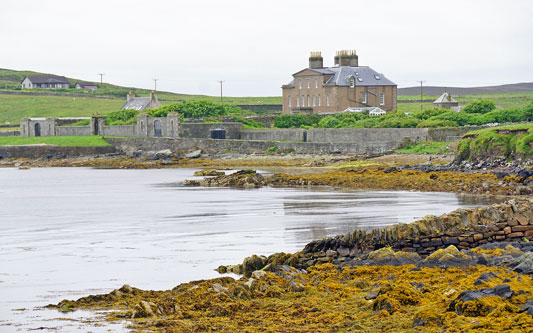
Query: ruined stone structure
319, 89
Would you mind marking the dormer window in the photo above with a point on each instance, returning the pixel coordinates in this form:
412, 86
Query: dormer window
360, 79
377, 77
352, 82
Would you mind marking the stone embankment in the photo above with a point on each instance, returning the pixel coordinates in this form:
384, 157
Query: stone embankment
464, 229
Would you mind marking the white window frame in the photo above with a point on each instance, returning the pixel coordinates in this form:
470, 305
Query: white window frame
352, 82
308, 101
297, 101
289, 101
327, 99
319, 100
381, 98
316, 83
308, 82
299, 83
303, 100
364, 98
314, 100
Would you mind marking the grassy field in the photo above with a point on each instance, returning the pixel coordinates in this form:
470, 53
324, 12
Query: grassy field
73, 141
435, 147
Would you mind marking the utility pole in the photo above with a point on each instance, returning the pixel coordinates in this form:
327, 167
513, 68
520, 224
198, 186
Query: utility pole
155, 84
421, 94
101, 79
220, 89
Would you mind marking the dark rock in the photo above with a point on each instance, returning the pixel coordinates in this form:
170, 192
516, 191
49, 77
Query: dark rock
485, 277
528, 307
457, 305
371, 295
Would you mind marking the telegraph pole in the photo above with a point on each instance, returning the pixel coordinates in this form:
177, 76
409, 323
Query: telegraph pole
155, 84
220, 89
421, 94
101, 79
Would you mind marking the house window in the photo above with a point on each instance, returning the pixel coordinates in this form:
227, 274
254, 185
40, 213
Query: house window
319, 100
364, 98
327, 99
289, 100
314, 100
381, 98
316, 83
308, 100
352, 82
307, 81
297, 101
299, 83
303, 100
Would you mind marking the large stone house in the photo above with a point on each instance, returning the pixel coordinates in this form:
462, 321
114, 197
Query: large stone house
319, 89
141, 103
45, 81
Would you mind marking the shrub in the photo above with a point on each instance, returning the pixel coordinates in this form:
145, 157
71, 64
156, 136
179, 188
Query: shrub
295, 121
482, 106
122, 117
528, 112
195, 109
436, 123
329, 122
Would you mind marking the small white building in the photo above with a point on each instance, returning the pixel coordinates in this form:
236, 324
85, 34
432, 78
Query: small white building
86, 85
445, 101
372, 110
45, 82
141, 103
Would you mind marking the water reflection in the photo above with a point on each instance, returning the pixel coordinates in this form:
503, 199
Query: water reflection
69, 232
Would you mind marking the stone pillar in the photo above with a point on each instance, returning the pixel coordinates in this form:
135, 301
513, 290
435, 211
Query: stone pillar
25, 127
142, 125
173, 119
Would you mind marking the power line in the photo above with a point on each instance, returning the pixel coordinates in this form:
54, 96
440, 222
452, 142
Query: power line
101, 78
421, 93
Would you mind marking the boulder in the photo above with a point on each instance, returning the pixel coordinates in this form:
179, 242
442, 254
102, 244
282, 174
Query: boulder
143, 309
208, 172
448, 257
461, 304
194, 154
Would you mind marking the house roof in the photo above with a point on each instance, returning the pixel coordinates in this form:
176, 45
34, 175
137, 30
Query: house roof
86, 84
445, 98
137, 103
365, 76
38, 79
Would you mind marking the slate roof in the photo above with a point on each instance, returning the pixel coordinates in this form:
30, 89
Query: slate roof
445, 98
364, 75
86, 84
137, 103
39, 79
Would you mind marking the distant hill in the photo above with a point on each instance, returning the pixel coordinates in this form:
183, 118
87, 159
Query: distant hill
456, 91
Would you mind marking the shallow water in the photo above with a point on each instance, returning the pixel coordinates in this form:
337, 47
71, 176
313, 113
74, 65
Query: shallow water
70, 232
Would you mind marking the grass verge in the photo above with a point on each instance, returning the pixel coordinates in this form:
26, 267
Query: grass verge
436, 147
64, 141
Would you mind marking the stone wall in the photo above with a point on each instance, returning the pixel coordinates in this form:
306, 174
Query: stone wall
360, 135
274, 135
9, 133
35, 152
73, 131
262, 107
119, 130
183, 145
203, 130
447, 133
464, 228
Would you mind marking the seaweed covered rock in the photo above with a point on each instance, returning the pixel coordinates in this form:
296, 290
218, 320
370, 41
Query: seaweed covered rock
208, 172
449, 257
239, 179
480, 302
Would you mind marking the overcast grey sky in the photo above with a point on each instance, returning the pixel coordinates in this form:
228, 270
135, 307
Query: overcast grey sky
255, 46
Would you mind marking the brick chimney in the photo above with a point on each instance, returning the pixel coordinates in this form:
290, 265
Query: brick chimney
316, 60
130, 96
346, 58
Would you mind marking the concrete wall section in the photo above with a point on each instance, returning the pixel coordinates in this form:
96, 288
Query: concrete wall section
9, 133
73, 131
366, 135
203, 130
447, 133
119, 130
274, 135
180, 146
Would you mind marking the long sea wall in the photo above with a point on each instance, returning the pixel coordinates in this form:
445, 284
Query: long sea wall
464, 228
38, 151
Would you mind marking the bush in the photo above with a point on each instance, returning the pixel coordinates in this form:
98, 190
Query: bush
296, 121
195, 109
482, 106
528, 112
122, 117
432, 123
329, 122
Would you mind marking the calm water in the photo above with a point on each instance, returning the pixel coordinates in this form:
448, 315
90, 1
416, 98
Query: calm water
70, 232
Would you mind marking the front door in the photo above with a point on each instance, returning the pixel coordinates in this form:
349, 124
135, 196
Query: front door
157, 128
37, 129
